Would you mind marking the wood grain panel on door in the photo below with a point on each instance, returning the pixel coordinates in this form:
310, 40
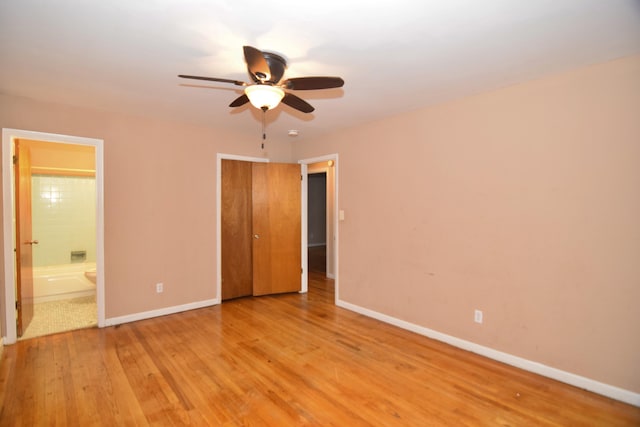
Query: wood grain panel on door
276, 228
236, 236
24, 239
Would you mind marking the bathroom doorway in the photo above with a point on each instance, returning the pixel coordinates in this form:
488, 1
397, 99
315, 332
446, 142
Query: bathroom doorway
66, 242
63, 224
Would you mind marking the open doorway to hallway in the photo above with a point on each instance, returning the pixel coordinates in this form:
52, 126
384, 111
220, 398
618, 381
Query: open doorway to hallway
317, 222
321, 226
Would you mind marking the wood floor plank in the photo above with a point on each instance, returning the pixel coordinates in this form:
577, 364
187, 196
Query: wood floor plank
291, 359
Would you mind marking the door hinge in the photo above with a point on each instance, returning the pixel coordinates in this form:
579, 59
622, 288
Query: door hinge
17, 305
15, 159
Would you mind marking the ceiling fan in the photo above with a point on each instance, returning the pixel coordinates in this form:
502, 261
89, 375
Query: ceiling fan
267, 90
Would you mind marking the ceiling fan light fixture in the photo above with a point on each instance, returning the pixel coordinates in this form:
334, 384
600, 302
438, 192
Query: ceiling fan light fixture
264, 96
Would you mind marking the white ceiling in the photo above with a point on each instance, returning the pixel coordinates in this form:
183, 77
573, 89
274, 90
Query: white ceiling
394, 55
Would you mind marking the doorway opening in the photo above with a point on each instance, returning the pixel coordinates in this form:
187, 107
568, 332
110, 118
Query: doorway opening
328, 164
317, 222
260, 226
320, 227
58, 277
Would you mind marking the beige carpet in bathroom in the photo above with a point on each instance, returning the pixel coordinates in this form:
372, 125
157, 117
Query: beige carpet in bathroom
63, 315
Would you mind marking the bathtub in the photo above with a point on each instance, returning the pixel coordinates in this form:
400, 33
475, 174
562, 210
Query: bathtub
62, 281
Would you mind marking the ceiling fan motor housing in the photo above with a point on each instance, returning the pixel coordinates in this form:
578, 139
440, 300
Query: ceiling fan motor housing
277, 65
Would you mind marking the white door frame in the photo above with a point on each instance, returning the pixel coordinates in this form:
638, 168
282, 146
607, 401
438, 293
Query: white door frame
303, 217
305, 163
8, 213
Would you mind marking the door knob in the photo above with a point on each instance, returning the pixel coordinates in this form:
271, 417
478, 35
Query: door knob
31, 242
256, 236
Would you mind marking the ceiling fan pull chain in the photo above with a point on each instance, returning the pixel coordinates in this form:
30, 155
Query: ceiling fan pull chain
264, 126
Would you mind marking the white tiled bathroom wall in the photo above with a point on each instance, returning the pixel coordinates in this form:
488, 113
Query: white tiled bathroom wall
64, 218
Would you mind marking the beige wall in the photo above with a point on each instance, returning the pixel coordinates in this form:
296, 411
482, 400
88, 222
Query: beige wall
523, 202
160, 199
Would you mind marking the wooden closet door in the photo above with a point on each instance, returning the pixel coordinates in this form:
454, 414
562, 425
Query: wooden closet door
276, 228
236, 236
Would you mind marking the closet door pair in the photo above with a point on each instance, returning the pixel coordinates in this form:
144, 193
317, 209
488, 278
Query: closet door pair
261, 228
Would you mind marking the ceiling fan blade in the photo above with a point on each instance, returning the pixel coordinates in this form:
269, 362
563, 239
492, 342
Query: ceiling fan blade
297, 103
214, 79
241, 100
257, 65
310, 83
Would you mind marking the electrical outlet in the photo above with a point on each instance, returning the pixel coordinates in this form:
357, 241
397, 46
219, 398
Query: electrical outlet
477, 316
159, 288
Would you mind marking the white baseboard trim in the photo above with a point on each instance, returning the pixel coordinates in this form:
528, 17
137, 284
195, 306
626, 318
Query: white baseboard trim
607, 390
160, 312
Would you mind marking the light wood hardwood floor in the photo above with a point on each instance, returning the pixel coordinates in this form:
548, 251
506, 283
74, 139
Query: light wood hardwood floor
278, 361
